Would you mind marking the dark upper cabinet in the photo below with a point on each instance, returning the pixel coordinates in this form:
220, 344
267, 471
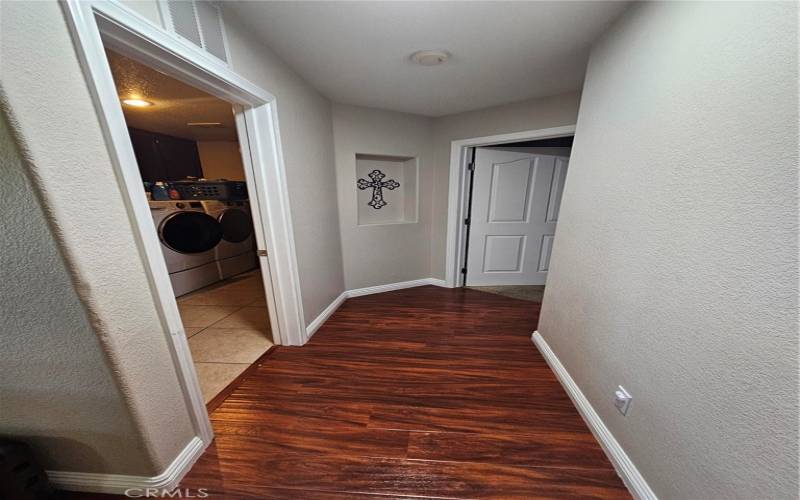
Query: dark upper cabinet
164, 157
179, 157
146, 151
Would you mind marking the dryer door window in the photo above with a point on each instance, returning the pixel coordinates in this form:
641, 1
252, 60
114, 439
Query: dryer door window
236, 225
190, 232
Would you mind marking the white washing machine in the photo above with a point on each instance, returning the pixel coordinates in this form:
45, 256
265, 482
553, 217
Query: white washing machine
236, 253
189, 237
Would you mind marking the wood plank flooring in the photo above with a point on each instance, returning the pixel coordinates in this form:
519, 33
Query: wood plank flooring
420, 393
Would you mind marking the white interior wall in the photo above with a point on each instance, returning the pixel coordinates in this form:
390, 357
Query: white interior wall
410, 198
71, 172
381, 254
42, 315
674, 269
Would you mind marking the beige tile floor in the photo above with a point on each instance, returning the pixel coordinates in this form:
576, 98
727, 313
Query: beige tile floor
228, 329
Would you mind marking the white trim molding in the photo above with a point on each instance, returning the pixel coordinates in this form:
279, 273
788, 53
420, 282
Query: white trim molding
312, 327
622, 463
438, 282
358, 292
117, 484
459, 187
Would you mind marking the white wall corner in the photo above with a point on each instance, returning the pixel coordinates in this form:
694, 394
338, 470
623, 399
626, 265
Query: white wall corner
325, 314
118, 483
622, 463
439, 282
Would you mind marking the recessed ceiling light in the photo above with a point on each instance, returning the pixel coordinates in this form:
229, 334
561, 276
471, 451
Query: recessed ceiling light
138, 103
430, 57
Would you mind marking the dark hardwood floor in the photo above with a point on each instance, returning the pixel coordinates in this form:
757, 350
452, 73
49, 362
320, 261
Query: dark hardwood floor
424, 392
420, 393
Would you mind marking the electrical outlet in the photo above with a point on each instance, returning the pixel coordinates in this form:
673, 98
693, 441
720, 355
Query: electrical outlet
622, 400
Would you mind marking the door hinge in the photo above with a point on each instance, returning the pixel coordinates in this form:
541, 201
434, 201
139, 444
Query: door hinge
463, 270
471, 166
262, 253
466, 221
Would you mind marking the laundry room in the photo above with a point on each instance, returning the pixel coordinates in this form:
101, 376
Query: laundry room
186, 145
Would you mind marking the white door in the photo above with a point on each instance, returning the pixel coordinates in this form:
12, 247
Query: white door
515, 201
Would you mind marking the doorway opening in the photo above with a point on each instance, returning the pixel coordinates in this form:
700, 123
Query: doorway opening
514, 195
189, 157
98, 25
504, 199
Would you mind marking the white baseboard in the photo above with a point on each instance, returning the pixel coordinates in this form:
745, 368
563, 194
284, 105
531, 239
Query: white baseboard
118, 483
438, 282
622, 463
358, 292
325, 314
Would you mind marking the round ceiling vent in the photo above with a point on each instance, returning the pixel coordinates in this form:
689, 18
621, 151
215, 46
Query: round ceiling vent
430, 57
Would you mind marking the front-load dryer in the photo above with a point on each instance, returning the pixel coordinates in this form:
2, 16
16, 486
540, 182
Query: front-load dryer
235, 253
189, 237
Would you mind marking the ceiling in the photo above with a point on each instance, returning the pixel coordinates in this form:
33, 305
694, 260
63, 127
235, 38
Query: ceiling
502, 52
175, 103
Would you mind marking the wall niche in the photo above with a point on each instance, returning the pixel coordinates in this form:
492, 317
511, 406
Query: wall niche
386, 189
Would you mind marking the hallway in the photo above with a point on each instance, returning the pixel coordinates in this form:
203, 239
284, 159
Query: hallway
424, 392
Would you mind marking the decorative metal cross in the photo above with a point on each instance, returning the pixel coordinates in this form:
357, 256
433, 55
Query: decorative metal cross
377, 184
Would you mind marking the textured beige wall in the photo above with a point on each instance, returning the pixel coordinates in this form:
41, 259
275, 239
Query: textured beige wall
534, 114
72, 173
221, 160
674, 269
381, 254
56, 389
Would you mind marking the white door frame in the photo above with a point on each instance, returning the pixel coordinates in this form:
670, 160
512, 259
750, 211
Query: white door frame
93, 25
458, 197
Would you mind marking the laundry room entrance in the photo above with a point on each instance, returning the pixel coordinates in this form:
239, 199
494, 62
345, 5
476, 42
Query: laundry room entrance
188, 153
